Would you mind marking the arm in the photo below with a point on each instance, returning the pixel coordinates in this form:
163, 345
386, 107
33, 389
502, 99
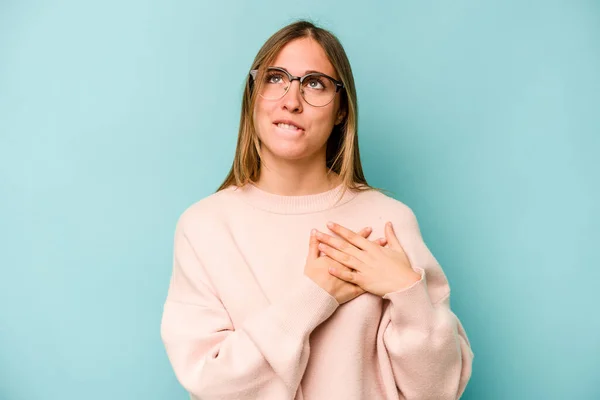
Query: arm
427, 346
264, 357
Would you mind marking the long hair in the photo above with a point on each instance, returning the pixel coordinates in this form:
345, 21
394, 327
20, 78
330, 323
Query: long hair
342, 154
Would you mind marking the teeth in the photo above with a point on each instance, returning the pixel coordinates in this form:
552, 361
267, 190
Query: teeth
287, 126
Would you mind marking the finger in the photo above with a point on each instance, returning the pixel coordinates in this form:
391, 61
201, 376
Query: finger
381, 242
340, 244
345, 274
366, 232
313, 246
391, 237
356, 240
341, 257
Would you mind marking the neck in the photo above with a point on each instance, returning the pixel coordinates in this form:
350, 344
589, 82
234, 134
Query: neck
296, 178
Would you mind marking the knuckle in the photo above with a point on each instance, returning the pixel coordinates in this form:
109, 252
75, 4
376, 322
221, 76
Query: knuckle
350, 276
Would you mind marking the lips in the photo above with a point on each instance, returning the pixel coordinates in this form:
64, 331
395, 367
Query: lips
288, 122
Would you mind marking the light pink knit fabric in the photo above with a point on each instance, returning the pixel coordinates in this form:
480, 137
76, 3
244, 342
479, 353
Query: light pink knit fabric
242, 321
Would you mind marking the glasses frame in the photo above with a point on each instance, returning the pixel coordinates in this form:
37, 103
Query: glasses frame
338, 84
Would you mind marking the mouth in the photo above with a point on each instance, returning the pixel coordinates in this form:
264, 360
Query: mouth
288, 126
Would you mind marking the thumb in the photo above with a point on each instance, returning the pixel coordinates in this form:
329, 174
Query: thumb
313, 246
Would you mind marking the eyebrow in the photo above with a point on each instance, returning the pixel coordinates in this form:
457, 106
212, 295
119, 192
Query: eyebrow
308, 71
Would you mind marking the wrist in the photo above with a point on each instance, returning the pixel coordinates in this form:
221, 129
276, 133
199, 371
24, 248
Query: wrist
407, 281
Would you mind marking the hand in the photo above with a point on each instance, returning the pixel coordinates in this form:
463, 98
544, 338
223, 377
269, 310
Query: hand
375, 269
317, 269
365, 232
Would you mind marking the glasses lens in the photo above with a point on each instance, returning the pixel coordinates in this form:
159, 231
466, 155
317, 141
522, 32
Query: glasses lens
318, 90
275, 84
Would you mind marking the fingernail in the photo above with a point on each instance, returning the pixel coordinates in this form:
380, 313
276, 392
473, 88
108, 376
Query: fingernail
330, 224
313, 232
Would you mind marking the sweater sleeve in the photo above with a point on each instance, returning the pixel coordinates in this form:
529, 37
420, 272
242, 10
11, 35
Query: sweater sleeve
428, 348
265, 357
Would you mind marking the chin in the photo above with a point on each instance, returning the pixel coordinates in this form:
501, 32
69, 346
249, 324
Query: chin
288, 153
284, 148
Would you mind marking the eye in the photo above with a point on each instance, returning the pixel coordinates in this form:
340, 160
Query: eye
315, 83
274, 77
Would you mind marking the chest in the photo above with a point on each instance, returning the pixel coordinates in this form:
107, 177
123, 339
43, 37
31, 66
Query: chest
261, 260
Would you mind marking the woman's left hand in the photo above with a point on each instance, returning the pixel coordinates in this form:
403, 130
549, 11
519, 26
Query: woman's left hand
378, 270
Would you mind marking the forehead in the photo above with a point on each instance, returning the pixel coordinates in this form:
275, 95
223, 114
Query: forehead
301, 55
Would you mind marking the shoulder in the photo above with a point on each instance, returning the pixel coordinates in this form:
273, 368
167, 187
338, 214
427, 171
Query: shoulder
207, 212
387, 204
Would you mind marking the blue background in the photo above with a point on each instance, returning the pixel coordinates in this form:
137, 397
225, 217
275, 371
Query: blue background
117, 115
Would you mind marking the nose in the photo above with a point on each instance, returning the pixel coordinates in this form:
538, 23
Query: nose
292, 101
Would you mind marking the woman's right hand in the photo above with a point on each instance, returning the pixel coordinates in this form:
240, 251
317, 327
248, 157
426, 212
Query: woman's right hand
317, 269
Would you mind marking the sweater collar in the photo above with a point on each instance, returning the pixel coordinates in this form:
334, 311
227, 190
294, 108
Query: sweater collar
304, 204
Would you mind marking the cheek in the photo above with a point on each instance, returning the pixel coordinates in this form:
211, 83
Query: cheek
325, 119
259, 110
261, 115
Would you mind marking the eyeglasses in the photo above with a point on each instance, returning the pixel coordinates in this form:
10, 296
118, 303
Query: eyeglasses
317, 89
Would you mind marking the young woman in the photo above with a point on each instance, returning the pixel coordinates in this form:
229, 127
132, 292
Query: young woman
277, 292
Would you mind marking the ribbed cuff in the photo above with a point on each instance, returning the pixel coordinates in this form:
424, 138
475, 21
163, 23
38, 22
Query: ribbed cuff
412, 304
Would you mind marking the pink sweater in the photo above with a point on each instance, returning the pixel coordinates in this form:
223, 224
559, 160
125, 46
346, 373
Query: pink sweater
242, 321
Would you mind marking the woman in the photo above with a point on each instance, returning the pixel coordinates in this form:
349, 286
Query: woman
269, 301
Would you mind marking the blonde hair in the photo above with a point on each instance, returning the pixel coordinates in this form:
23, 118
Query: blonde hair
342, 154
